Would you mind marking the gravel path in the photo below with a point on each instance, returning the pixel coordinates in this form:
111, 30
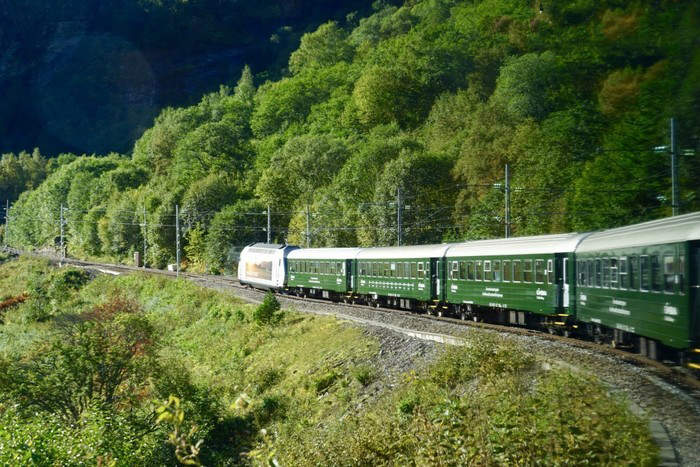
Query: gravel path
675, 412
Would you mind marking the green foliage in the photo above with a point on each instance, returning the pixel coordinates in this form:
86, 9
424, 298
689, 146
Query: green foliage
299, 390
363, 374
321, 48
267, 312
432, 97
20, 173
105, 355
486, 403
324, 382
186, 452
523, 84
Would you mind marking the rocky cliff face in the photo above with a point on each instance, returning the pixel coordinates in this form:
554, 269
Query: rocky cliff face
88, 76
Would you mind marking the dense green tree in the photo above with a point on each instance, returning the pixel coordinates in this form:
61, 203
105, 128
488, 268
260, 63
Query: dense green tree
321, 48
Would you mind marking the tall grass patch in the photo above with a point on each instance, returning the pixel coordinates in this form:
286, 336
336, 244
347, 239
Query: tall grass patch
488, 403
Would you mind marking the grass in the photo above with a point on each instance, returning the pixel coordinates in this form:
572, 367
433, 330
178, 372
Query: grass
296, 392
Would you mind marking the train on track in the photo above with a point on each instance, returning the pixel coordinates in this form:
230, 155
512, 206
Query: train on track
635, 287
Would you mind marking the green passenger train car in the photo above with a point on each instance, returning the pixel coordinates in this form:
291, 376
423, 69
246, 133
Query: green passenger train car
527, 274
637, 286
407, 277
323, 272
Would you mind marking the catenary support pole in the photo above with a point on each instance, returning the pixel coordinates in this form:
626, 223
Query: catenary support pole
177, 239
308, 226
399, 217
145, 238
269, 224
63, 249
7, 222
507, 191
675, 195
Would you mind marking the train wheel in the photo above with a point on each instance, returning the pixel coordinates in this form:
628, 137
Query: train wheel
463, 316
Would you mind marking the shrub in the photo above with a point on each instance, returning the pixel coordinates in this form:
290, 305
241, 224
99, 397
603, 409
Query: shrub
363, 374
325, 381
267, 312
105, 355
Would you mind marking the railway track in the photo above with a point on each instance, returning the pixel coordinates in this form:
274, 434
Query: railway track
675, 375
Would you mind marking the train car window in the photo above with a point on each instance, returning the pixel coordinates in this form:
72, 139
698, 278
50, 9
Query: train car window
487, 271
580, 273
341, 268
413, 270
421, 272
598, 273
497, 270
623, 272
613, 273
655, 273
681, 274
479, 268
668, 274
470, 270
633, 273
454, 270
590, 273
462, 270
517, 270
399, 271
375, 269
392, 268
644, 273
333, 268
363, 269
507, 271
406, 270
539, 271
606, 272
527, 271
550, 271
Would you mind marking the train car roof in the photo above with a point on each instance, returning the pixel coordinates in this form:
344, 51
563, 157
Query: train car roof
669, 230
540, 244
268, 248
404, 252
324, 253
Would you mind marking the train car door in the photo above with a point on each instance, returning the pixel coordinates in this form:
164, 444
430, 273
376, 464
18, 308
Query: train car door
694, 290
565, 282
349, 275
434, 278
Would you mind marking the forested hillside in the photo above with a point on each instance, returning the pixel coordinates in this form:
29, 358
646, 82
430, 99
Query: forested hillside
432, 98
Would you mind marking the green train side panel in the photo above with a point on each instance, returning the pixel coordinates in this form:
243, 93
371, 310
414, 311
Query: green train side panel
660, 315
415, 289
541, 298
332, 282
